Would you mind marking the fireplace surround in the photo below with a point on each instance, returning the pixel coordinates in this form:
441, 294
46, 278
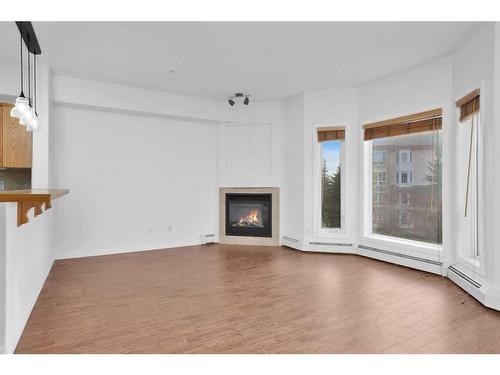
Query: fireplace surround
249, 216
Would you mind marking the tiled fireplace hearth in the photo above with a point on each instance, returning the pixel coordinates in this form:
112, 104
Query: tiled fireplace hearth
249, 216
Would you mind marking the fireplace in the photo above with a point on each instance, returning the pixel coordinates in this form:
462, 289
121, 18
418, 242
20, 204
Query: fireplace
248, 214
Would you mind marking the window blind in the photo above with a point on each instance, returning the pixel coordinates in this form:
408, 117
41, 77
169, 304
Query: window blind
469, 104
415, 123
331, 133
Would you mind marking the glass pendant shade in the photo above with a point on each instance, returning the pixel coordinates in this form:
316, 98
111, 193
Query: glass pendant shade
27, 117
34, 124
22, 105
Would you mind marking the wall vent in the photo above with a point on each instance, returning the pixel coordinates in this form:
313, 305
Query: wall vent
465, 277
208, 238
290, 239
435, 262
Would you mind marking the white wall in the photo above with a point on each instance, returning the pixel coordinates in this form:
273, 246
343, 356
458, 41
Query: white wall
79, 92
293, 168
136, 182
250, 146
3, 279
27, 250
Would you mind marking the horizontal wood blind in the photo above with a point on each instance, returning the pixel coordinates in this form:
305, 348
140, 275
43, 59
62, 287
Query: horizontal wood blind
330, 134
468, 104
416, 123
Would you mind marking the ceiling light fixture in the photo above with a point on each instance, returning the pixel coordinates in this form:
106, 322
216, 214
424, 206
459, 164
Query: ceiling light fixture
238, 95
22, 103
23, 109
29, 113
34, 124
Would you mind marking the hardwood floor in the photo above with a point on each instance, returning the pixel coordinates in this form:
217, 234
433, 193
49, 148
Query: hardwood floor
246, 299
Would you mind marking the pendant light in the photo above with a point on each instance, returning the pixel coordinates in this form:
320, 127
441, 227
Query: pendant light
35, 123
22, 103
29, 113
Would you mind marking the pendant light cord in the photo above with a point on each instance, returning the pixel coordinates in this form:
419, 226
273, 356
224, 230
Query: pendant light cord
21, 50
34, 83
29, 80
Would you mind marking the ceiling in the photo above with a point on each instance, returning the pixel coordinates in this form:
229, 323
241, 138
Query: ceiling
270, 60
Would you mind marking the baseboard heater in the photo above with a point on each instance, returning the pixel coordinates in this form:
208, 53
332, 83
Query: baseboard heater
435, 262
330, 244
290, 239
465, 277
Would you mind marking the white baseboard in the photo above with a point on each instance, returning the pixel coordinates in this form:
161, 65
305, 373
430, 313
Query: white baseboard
488, 297
122, 250
336, 247
290, 241
401, 260
329, 247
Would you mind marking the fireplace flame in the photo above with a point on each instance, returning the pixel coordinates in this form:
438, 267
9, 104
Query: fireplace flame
252, 219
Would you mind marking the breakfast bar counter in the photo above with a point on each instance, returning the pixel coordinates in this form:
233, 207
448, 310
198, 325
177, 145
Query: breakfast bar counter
31, 198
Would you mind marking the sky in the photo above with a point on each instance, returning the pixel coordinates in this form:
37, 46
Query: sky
331, 152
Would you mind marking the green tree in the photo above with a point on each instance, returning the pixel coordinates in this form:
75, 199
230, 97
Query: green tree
331, 202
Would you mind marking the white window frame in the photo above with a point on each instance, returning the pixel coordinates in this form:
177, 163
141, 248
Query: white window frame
402, 244
319, 230
472, 263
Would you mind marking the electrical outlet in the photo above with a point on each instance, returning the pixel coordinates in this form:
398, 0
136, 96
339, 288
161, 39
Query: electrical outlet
169, 228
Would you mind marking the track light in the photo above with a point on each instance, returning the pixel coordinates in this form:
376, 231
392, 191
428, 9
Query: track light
238, 95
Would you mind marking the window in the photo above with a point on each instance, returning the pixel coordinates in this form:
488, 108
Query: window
468, 177
377, 196
404, 156
404, 220
380, 178
411, 206
379, 157
404, 178
404, 198
331, 147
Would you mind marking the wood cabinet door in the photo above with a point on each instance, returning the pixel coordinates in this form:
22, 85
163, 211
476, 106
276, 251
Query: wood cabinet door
16, 142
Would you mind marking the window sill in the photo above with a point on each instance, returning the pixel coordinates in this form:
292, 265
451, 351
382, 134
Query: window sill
331, 233
414, 247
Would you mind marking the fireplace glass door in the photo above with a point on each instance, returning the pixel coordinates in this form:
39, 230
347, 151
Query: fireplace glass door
248, 215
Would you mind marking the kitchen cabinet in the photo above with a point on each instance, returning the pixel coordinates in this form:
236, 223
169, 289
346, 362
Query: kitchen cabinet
15, 141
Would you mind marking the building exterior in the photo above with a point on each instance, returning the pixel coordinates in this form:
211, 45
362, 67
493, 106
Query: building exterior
406, 187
